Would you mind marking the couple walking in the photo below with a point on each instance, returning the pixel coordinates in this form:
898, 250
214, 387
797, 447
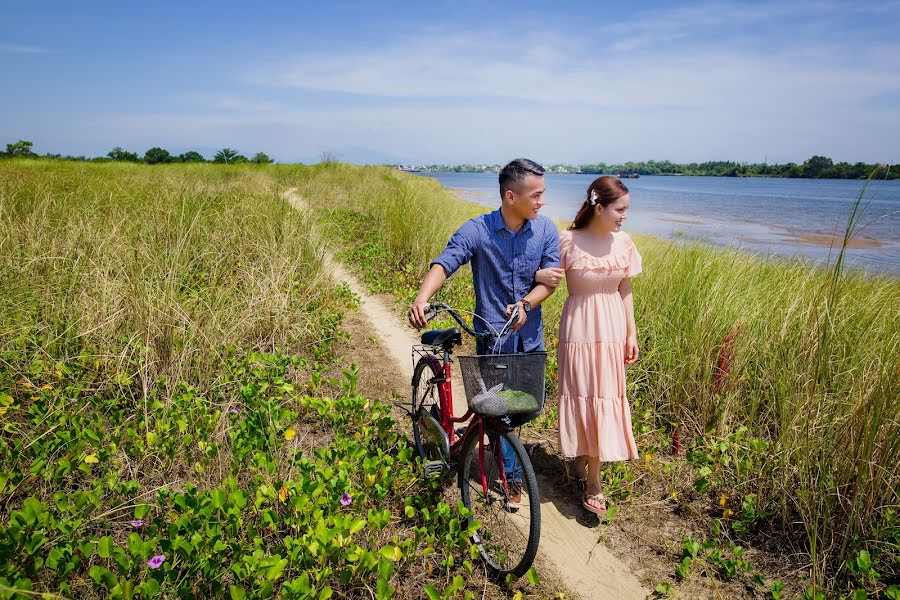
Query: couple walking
518, 258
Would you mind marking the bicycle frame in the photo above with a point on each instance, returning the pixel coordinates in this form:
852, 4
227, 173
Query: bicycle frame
441, 369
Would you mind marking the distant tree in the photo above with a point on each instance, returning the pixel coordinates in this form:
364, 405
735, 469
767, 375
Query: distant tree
329, 157
228, 155
21, 149
156, 155
817, 166
191, 156
261, 158
123, 155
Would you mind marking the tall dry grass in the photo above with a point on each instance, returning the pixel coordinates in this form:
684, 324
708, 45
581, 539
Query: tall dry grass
153, 270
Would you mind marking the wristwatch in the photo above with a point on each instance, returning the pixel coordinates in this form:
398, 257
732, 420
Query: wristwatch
526, 306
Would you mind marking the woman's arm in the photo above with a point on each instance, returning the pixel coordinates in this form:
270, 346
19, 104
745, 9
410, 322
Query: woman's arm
631, 347
550, 276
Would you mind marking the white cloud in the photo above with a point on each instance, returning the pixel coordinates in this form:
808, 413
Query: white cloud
701, 82
244, 105
22, 49
653, 86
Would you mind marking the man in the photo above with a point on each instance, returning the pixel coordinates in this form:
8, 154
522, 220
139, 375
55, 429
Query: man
506, 248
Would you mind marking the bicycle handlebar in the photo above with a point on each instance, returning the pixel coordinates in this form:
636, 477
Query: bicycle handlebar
435, 307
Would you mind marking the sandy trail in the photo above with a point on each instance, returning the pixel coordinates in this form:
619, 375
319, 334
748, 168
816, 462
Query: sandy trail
585, 566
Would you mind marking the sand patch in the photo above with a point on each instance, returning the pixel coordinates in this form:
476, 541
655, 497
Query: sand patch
821, 239
686, 221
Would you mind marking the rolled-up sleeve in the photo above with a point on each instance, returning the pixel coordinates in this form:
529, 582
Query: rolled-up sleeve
460, 248
550, 257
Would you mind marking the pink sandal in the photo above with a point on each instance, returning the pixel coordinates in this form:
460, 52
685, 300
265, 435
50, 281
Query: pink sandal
599, 499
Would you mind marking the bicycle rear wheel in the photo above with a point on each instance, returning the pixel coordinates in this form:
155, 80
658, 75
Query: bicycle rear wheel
508, 539
424, 397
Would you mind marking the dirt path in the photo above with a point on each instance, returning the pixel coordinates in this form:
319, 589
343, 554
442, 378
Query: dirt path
572, 550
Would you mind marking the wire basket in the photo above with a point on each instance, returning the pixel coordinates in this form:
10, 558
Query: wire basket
504, 384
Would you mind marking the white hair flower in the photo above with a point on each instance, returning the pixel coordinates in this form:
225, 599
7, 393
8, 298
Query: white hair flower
593, 198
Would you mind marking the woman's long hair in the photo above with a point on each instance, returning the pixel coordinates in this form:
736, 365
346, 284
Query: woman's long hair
605, 190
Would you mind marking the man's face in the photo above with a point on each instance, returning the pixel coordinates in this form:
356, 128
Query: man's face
527, 197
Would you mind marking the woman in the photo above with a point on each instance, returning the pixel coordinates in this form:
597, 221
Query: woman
597, 336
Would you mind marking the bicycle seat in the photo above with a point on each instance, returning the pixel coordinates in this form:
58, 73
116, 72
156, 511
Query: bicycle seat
442, 337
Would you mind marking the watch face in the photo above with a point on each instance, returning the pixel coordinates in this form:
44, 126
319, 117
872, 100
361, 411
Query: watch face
526, 305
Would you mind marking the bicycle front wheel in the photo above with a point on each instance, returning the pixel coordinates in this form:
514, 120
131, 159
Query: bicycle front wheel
508, 536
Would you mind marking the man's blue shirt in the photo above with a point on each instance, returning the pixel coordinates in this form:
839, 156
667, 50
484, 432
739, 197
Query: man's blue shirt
503, 268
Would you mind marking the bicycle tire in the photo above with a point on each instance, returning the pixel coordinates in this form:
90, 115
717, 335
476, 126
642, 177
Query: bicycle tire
508, 541
427, 396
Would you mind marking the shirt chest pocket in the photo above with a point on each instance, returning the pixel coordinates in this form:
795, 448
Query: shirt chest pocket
533, 254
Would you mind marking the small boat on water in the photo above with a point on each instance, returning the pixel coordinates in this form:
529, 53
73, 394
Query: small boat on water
628, 176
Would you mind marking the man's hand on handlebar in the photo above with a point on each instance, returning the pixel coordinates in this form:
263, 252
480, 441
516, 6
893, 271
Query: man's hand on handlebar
417, 313
521, 316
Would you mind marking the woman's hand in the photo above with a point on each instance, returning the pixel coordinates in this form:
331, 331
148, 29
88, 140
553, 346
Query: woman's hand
551, 276
631, 349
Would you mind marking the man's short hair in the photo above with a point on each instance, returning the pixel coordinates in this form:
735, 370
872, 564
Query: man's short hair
512, 174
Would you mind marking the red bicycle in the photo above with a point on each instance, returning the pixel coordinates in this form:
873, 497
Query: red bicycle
496, 385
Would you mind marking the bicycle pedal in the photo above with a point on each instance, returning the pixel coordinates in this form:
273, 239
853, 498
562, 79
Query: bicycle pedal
434, 467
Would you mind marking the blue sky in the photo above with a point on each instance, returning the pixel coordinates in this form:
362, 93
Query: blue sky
456, 81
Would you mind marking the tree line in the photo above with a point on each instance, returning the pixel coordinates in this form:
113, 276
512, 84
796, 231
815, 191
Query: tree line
816, 167
153, 156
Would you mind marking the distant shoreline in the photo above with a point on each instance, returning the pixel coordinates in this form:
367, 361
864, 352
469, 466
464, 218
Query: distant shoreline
747, 176
816, 167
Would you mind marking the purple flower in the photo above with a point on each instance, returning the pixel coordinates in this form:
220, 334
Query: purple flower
156, 562
346, 499
623, 483
136, 523
73, 400
234, 410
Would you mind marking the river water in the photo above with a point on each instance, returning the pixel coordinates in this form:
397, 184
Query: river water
781, 217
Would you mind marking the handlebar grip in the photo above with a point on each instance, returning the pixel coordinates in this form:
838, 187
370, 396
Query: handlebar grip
514, 312
430, 312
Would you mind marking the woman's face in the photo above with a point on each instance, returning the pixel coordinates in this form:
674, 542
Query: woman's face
611, 217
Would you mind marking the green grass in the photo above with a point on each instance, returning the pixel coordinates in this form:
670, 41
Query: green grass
802, 362
169, 387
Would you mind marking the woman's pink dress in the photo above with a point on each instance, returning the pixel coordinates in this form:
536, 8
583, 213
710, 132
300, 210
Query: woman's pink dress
594, 418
